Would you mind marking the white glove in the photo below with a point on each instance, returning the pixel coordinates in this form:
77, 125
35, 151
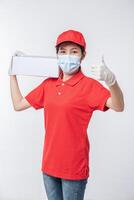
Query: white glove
16, 53
103, 73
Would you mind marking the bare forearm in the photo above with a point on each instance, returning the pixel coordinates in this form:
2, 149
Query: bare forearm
117, 97
19, 102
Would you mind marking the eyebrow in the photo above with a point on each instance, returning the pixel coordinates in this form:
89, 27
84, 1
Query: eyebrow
71, 48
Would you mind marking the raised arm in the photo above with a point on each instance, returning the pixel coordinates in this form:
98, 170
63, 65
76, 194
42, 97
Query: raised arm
116, 101
19, 102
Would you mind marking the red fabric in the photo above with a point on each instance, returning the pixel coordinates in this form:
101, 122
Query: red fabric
72, 36
66, 143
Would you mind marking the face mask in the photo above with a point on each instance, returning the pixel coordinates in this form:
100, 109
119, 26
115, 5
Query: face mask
69, 63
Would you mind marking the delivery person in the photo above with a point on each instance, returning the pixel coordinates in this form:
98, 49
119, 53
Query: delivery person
69, 102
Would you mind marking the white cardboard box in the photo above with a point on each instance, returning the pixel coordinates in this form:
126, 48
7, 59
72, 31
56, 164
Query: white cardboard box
45, 66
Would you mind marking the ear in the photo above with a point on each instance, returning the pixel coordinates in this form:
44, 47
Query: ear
83, 55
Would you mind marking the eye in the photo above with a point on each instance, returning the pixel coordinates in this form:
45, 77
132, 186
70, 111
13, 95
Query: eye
75, 51
62, 51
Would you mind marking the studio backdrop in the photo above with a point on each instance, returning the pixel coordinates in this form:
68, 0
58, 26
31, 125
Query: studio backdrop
32, 26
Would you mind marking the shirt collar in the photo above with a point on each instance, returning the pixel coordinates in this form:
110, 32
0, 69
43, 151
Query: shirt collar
71, 81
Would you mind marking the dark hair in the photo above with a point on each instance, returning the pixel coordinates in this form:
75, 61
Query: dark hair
81, 47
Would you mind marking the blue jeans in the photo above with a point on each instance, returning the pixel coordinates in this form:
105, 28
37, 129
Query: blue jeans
63, 189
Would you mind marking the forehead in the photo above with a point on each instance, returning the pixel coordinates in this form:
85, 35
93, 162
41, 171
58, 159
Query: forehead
68, 45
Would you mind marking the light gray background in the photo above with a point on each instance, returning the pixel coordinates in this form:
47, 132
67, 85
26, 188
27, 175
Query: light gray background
33, 26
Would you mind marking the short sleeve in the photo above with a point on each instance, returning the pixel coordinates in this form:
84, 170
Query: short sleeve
37, 95
100, 94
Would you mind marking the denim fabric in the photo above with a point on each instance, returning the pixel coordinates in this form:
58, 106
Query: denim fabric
63, 189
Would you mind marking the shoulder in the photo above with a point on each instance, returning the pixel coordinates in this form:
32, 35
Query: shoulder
92, 82
48, 80
95, 86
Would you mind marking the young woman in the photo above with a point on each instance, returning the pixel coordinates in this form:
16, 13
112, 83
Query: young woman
69, 102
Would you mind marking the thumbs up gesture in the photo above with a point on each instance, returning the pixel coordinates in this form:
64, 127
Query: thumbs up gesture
103, 73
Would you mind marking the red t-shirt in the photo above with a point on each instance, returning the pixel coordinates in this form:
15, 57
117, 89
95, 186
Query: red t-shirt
68, 107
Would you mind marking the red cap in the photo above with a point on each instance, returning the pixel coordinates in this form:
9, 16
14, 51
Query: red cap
72, 36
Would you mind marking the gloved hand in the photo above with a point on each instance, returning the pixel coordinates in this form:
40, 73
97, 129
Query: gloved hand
103, 73
16, 53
